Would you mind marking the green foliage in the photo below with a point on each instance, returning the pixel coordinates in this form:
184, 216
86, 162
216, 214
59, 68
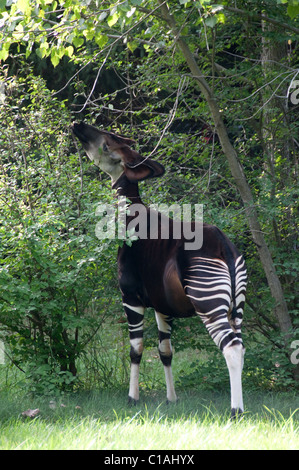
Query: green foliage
61, 27
50, 260
119, 66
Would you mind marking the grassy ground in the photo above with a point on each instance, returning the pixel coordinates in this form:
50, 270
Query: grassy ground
104, 421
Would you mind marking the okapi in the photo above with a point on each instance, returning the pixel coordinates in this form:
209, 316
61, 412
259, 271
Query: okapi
208, 282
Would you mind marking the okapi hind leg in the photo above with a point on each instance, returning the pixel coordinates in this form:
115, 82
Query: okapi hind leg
208, 285
234, 356
135, 316
164, 323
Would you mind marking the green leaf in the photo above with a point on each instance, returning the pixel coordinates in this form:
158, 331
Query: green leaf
221, 18
293, 11
132, 45
211, 22
78, 41
24, 6
89, 34
42, 52
101, 40
54, 58
4, 52
113, 19
69, 51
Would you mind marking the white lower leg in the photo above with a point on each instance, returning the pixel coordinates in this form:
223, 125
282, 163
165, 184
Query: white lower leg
134, 382
234, 360
171, 395
165, 351
135, 353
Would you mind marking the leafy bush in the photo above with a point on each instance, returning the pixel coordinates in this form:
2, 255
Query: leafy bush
54, 279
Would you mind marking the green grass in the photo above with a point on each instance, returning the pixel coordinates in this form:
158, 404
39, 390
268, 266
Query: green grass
103, 420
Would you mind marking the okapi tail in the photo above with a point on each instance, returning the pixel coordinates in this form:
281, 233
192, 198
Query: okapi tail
230, 258
232, 272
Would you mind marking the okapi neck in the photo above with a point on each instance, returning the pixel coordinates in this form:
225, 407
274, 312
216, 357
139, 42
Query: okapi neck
127, 188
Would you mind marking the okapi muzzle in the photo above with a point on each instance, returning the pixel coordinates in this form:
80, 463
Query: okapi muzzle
161, 273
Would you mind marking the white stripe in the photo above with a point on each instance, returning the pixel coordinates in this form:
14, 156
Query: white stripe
139, 310
210, 260
220, 336
209, 289
163, 326
211, 311
137, 327
241, 277
218, 296
240, 288
238, 260
218, 281
240, 298
208, 269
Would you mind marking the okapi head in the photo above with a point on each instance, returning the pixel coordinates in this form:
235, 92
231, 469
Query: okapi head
113, 154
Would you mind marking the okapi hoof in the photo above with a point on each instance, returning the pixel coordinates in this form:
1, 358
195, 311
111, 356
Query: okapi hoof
132, 401
172, 402
236, 413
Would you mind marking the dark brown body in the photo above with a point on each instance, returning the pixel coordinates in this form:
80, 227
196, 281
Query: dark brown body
153, 270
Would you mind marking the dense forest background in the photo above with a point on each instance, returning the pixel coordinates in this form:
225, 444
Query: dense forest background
212, 92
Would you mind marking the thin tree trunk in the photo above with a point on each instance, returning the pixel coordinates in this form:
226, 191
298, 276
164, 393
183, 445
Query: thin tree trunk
281, 310
272, 53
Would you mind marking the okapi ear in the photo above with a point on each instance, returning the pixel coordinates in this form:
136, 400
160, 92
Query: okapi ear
137, 168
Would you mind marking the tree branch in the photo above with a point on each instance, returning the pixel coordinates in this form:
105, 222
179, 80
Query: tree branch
262, 17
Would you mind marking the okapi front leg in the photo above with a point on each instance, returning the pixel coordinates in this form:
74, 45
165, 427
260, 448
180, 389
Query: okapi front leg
164, 323
135, 315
